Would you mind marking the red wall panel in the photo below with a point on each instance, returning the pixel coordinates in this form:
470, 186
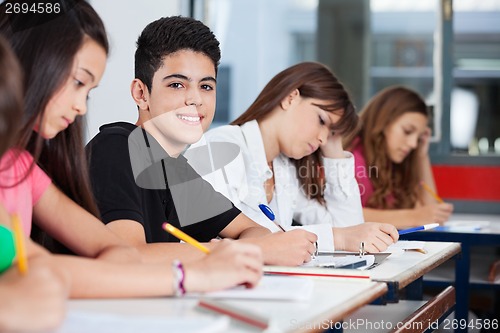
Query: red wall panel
468, 182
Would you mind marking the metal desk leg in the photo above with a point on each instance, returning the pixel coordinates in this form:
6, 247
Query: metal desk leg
415, 290
462, 276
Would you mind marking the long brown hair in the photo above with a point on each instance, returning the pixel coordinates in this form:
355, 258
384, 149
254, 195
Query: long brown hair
46, 51
11, 98
397, 180
313, 80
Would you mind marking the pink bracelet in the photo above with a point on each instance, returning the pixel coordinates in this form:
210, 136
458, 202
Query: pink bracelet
178, 278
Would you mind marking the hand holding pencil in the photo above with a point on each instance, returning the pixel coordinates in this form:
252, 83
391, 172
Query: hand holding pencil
439, 212
431, 192
228, 264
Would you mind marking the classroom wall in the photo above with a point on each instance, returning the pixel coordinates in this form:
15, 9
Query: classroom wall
251, 31
457, 182
471, 188
124, 21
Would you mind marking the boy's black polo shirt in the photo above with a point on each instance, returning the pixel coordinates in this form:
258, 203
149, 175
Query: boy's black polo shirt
119, 197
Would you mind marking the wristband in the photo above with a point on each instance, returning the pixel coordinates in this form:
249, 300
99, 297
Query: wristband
178, 278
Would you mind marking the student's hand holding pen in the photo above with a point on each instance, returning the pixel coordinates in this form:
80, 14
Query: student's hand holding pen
286, 248
291, 248
376, 237
229, 264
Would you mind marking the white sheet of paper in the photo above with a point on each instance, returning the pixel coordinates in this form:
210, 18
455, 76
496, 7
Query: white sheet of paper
98, 322
405, 245
272, 288
466, 226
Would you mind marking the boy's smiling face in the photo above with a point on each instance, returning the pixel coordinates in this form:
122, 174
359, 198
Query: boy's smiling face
181, 103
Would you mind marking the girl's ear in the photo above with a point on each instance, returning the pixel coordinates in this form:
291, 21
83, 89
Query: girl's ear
140, 94
290, 99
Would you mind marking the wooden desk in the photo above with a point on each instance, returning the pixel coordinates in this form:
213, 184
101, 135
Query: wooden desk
489, 236
331, 302
404, 316
408, 268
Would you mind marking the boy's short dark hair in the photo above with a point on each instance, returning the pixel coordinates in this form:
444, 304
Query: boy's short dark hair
168, 35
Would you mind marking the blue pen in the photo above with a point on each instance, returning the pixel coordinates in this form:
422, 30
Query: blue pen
458, 228
419, 228
270, 214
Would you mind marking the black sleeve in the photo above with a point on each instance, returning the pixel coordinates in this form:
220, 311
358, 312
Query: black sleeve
112, 179
201, 211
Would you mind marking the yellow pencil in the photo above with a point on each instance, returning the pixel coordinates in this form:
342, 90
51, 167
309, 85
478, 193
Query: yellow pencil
431, 192
185, 237
22, 261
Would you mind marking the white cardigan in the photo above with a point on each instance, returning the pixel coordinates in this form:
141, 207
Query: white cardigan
247, 173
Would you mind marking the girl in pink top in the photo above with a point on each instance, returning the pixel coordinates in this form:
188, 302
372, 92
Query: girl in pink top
39, 294
23, 184
392, 160
63, 59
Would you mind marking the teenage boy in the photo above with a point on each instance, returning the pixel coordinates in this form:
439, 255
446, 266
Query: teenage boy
134, 168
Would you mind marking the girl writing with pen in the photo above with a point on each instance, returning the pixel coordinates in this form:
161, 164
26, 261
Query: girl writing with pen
393, 168
293, 161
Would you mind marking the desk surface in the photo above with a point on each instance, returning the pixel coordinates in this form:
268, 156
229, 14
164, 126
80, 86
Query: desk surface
492, 228
331, 301
476, 217
486, 236
405, 268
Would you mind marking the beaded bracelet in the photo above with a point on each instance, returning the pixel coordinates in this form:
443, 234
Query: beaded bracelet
178, 278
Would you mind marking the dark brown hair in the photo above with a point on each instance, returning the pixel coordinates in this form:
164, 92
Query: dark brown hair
313, 80
46, 52
11, 99
168, 35
397, 180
